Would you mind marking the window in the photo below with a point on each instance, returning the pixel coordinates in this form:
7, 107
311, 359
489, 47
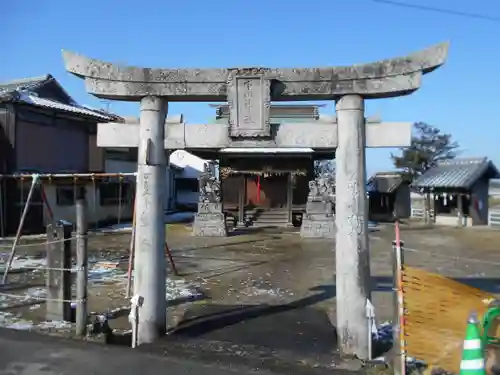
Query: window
187, 184
65, 195
110, 193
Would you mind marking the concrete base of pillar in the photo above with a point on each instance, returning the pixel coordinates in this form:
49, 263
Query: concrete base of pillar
318, 221
318, 228
209, 221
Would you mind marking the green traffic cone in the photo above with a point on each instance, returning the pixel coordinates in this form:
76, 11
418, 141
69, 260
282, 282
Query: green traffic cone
473, 353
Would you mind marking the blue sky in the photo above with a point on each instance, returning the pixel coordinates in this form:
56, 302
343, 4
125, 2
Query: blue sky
460, 98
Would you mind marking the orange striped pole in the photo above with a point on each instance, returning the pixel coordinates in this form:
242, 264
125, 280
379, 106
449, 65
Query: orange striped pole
400, 298
171, 259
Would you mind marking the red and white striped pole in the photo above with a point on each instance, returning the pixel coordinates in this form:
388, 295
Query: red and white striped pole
399, 332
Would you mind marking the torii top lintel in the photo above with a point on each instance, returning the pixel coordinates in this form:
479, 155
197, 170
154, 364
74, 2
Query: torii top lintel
382, 79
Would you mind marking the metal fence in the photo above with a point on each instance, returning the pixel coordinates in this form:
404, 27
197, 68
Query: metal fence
431, 308
55, 279
47, 283
52, 269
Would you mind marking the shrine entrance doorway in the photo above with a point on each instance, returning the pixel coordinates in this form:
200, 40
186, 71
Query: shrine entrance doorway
265, 189
268, 191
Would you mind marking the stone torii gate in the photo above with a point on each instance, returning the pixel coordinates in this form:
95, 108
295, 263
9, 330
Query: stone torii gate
249, 92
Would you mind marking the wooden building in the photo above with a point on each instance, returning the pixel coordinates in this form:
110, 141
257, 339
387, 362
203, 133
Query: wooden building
455, 192
43, 130
388, 196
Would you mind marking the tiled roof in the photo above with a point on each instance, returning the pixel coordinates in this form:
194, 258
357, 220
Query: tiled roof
24, 91
32, 84
384, 183
48, 103
456, 173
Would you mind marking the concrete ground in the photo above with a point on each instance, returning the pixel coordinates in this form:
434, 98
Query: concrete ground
271, 292
25, 353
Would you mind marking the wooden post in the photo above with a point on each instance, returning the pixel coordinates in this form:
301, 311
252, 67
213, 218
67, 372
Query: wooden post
58, 272
460, 210
432, 210
289, 196
241, 201
427, 208
82, 267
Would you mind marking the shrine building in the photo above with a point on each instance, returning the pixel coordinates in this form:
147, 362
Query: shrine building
268, 186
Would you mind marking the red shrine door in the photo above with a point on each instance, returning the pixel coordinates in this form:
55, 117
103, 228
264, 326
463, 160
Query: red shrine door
269, 192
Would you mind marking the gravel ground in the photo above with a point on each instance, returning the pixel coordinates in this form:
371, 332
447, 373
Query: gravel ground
280, 285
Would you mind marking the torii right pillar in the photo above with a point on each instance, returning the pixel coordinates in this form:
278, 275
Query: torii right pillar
353, 289
353, 279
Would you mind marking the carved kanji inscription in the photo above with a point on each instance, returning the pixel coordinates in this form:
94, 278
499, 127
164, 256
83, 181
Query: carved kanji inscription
249, 102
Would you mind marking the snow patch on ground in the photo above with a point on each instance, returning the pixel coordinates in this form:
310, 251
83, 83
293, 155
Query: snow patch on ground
9, 320
29, 295
99, 272
20, 262
271, 292
181, 289
176, 217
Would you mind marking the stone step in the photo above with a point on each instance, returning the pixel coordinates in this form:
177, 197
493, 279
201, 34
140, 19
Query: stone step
267, 225
272, 220
275, 214
266, 211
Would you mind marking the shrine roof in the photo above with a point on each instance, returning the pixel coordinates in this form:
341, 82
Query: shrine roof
457, 173
384, 182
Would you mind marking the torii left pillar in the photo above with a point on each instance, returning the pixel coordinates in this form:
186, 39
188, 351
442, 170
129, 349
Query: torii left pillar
149, 262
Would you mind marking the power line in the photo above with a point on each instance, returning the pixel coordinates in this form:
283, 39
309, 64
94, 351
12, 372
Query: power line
428, 8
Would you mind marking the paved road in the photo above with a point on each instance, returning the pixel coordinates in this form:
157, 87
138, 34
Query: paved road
24, 353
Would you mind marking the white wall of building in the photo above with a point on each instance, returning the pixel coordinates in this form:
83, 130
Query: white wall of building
191, 166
